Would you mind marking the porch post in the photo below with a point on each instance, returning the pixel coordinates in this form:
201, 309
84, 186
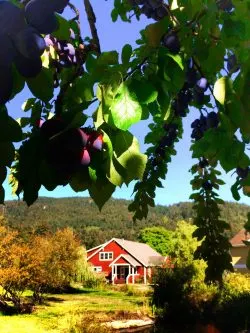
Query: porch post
112, 274
126, 279
145, 274
133, 275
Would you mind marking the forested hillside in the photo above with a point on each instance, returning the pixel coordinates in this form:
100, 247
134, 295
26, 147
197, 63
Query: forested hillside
115, 220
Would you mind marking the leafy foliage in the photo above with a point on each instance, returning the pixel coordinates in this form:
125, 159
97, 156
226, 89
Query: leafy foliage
158, 238
194, 55
43, 263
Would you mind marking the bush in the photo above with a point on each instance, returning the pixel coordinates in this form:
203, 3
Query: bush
181, 297
233, 304
94, 280
171, 296
136, 290
86, 276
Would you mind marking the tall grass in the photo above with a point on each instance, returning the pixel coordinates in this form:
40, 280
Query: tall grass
81, 312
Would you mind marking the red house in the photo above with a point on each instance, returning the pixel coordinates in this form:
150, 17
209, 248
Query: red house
124, 261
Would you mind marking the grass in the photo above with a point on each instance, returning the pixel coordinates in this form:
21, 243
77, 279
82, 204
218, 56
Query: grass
62, 313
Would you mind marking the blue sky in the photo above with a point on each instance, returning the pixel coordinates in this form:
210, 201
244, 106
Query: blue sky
177, 185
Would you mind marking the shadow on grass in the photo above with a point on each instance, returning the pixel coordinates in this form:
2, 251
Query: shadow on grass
72, 291
53, 299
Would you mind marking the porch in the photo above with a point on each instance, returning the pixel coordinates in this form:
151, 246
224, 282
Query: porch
126, 269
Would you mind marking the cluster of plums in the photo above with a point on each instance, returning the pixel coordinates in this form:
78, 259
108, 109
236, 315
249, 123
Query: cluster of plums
232, 64
225, 5
204, 123
66, 52
207, 185
67, 55
21, 40
68, 149
153, 9
166, 141
193, 89
242, 173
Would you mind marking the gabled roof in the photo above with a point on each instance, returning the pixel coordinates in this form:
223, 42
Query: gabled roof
140, 251
237, 240
128, 258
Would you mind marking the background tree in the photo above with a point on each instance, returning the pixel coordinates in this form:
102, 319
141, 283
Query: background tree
55, 258
14, 269
158, 238
43, 263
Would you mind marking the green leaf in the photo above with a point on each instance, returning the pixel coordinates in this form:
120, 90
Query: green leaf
28, 104
81, 91
126, 54
220, 89
80, 181
98, 117
108, 58
154, 32
2, 195
42, 86
63, 31
113, 175
101, 191
177, 59
18, 82
10, 130
114, 15
3, 174
7, 153
235, 191
77, 120
127, 152
234, 29
145, 92
30, 154
125, 109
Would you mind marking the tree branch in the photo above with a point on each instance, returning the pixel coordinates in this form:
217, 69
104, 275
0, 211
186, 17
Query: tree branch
60, 97
92, 24
138, 67
76, 18
203, 75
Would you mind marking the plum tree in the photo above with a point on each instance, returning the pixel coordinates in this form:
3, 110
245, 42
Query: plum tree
192, 56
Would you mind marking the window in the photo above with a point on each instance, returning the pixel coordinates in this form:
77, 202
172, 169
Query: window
106, 255
97, 269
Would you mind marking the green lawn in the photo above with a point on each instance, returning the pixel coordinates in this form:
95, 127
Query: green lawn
60, 313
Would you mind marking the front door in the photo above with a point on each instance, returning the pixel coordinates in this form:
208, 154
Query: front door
122, 272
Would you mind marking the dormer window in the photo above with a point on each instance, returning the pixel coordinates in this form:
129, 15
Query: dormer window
106, 255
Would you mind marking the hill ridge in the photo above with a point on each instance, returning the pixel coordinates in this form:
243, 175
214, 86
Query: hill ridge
94, 227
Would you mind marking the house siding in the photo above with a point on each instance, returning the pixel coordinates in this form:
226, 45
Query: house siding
143, 273
91, 252
111, 247
121, 261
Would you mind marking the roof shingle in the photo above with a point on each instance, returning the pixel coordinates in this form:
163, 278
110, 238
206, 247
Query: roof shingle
237, 240
142, 252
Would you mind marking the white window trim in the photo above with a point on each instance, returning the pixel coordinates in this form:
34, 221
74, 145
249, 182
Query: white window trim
109, 259
97, 269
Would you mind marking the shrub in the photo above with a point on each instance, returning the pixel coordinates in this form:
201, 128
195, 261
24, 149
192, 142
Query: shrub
136, 290
171, 296
181, 298
86, 276
233, 304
